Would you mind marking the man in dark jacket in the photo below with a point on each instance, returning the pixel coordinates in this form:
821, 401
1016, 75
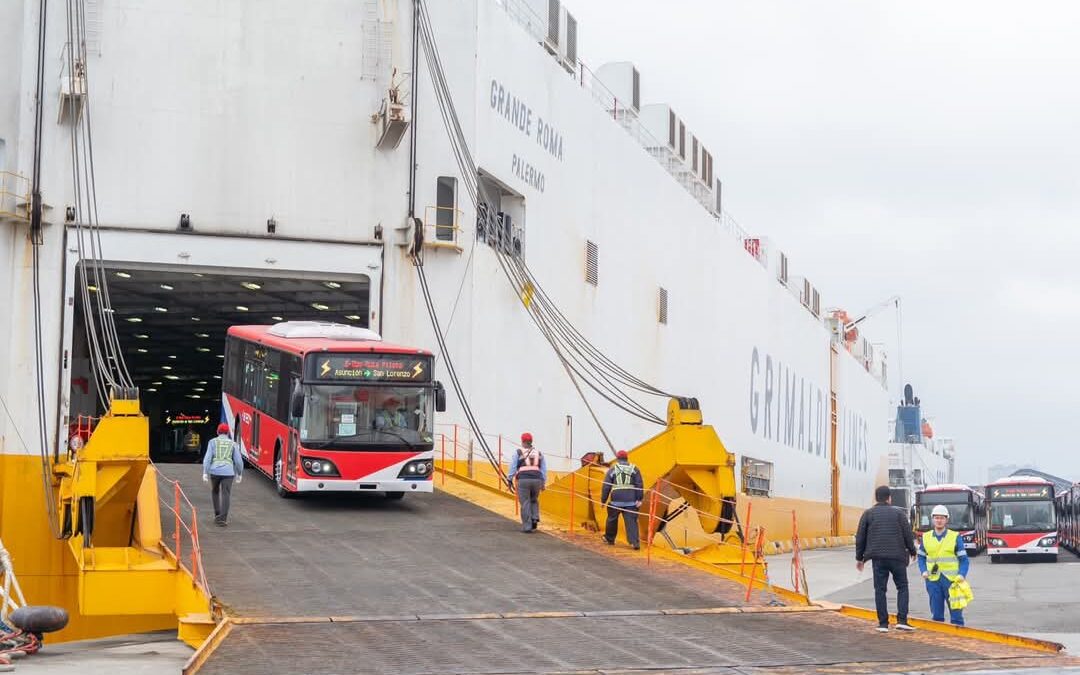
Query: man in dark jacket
885, 537
624, 486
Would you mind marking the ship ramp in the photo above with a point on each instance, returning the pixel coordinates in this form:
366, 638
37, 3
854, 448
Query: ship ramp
436, 584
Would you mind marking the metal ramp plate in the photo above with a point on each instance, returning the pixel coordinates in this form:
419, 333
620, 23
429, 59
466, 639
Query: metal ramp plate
433, 584
717, 643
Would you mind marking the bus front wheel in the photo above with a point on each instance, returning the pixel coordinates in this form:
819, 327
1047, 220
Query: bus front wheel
279, 475
394, 496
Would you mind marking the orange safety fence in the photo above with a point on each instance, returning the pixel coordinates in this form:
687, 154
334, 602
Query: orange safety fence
458, 455
185, 526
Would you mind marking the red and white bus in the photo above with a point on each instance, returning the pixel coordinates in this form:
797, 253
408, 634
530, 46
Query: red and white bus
1023, 521
323, 407
1068, 518
967, 512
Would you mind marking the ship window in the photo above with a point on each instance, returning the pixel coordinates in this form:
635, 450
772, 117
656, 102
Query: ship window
663, 305
553, 22
637, 90
757, 477
694, 153
682, 140
446, 208
671, 128
592, 263
571, 39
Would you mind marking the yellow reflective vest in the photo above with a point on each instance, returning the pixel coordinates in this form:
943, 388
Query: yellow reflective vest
960, 594
941, 553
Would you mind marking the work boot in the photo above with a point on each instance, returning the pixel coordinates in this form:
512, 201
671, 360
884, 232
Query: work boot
609, 542
636, 547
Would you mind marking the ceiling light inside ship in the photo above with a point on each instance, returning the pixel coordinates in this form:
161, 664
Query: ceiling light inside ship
241, 308
165, 287
332, 284
251, 285
123, 275
320, 306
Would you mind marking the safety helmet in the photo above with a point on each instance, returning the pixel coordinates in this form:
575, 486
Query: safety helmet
223, 428
526, 437
621, 454
940, 510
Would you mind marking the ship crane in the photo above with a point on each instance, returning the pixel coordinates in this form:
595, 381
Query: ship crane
884, 304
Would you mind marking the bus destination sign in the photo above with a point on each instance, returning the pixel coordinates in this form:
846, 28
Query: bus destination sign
370, 367
1020, 492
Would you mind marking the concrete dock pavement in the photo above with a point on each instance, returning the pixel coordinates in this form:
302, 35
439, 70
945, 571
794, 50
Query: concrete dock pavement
1034, 599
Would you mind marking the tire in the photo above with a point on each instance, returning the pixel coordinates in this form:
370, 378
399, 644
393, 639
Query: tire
279, 471
395, 496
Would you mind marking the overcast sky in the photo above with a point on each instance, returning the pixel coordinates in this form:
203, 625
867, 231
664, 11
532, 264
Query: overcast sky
925, 149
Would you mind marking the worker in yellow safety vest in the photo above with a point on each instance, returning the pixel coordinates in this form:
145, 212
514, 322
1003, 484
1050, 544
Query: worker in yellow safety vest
943, 563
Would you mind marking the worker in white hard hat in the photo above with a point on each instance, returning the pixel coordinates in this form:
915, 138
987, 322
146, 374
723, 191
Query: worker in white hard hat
942, 561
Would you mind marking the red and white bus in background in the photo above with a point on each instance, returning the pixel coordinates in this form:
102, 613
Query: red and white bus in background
1068, 518
967, 512
1023, 521
323, 407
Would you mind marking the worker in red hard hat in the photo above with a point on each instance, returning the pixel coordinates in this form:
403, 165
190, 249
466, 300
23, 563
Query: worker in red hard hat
221, 465
624, 486
530, 468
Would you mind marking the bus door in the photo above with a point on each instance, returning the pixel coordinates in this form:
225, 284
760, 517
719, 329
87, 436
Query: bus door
290, 456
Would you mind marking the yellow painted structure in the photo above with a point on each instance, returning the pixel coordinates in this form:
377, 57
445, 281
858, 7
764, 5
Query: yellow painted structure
692, 473
109, 568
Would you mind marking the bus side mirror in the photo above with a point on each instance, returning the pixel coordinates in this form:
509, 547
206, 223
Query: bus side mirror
440, 398
296, 402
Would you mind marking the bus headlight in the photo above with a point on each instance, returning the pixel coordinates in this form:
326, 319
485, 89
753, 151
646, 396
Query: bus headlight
994, 541
969, 537
416, 469
319, 467
1048, 541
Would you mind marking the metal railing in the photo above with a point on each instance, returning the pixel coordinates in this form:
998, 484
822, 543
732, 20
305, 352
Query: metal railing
185, 526
442, 234
624, 115
14, 195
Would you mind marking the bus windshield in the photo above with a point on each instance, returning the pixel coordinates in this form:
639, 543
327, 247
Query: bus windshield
961, 516
351, 417
1022, 516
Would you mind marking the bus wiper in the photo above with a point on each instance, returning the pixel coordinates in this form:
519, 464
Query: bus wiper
370, 432
398, 436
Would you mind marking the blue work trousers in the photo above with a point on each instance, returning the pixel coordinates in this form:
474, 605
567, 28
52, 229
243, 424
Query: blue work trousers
939, 600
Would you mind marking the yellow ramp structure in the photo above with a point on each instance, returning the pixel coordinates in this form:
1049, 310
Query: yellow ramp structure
689, 479
108, 565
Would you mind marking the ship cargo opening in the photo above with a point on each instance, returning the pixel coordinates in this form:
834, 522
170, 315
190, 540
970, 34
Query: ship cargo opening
171, 324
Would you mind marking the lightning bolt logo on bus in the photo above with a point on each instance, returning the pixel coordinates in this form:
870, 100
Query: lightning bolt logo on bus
325, 368
418, 370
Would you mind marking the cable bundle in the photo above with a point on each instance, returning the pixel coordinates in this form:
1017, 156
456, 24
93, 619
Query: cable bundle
582, 360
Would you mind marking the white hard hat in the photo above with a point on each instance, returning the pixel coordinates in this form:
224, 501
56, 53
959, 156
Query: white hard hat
940, 510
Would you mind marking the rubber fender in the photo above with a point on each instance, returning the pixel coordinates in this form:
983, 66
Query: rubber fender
40, 618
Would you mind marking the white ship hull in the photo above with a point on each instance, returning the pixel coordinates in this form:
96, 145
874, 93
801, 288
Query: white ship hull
239, 131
